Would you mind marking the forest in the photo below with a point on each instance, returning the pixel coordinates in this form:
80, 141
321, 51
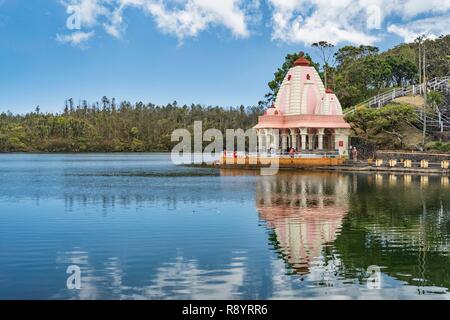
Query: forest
354, 72
109, 127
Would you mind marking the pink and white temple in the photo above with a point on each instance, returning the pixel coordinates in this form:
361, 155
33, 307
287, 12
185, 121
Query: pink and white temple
306, 115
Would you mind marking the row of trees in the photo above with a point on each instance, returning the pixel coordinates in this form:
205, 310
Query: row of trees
108, 127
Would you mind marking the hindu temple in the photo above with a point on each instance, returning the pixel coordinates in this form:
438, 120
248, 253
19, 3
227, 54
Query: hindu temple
306, 115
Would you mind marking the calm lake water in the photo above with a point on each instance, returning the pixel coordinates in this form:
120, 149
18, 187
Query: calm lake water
142, 228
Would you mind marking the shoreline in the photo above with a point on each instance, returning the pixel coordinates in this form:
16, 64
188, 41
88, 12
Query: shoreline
359, 168
346, 169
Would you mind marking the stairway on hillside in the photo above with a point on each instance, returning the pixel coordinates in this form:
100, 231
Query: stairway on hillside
436, 124
445, 90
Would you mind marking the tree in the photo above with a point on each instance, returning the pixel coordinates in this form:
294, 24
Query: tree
390, 120
434, 99
350, 54
361, 121
437, 53
326, 51
403, 71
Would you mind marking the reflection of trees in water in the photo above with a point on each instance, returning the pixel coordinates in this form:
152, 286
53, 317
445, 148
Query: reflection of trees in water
171, 193
305, 214
401, 223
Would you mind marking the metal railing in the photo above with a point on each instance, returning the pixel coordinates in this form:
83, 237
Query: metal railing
433, 122
298, 154
378, 101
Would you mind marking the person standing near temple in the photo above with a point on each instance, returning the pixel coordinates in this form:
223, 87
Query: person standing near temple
355, 154
291, 152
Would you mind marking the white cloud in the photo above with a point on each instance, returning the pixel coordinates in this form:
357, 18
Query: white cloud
411, 8
76, 38
292, 21
181, 19
197, 15
430, 27
353, 21
308, 21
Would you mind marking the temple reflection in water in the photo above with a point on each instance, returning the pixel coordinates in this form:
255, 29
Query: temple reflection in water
305, 213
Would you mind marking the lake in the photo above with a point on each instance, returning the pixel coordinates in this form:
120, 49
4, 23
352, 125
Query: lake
139, 227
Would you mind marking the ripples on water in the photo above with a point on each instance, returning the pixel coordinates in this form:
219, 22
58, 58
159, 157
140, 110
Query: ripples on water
142, 228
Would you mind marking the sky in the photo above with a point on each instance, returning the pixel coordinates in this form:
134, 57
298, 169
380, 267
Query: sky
212, 52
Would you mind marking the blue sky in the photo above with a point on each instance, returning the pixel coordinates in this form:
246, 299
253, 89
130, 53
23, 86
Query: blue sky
220, 52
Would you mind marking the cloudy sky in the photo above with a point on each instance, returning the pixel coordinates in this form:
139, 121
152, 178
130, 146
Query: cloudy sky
219, 52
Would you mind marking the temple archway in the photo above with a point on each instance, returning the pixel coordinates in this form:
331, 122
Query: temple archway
328, 141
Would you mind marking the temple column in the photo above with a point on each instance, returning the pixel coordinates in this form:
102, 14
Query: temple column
311, 141
268, 140
260, 141
284, 141
336, 140
276, 139
303, 133
320, 135
293, 138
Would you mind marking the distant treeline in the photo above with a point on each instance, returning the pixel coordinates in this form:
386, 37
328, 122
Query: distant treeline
108, 127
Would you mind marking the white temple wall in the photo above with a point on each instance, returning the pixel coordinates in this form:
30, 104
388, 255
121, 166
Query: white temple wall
295, 91
341, 141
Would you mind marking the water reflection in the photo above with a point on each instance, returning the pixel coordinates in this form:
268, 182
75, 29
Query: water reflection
228, 235
328, 228
179, 278
305, 215
403, 227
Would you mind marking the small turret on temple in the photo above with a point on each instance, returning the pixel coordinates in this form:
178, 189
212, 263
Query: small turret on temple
307, 115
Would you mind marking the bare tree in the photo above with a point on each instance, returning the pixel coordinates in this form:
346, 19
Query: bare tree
326, 50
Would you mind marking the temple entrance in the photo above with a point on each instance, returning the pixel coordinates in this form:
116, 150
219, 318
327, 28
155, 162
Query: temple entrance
328, 139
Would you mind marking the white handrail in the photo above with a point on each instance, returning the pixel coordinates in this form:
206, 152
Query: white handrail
381, 99
439, 121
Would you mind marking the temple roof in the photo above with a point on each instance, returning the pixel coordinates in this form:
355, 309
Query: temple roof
301, 121
303, 101
302, 61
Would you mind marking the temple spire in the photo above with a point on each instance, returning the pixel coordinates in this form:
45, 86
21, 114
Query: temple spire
302, 61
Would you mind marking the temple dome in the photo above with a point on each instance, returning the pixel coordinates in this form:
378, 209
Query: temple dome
272, 112
302, 92
302, 61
